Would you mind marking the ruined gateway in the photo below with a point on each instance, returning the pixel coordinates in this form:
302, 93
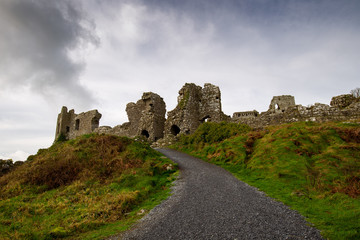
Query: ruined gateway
196, 105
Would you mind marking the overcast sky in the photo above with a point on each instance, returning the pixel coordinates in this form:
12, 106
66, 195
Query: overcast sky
102, 54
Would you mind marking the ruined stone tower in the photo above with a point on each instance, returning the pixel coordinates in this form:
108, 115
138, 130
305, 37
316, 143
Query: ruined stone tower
71, 125
195, 105
147, 116
281, 103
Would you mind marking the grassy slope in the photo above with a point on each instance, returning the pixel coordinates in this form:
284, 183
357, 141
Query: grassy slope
86, 188
314, 168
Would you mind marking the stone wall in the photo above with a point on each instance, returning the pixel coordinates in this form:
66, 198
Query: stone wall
195, 106
71, 125
341, 109
342, 101
246, 114
281, 103
146, 118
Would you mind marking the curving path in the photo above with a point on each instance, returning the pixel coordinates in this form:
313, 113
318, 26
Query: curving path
210, 203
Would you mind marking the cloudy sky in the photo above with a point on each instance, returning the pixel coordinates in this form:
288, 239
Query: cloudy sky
102, 54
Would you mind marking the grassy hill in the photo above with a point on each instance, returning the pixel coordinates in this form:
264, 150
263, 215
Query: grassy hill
90, 187
312, 167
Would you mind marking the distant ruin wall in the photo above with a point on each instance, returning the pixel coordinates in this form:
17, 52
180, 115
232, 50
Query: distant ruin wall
344, 107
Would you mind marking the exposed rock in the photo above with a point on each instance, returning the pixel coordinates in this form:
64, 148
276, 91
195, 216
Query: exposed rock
164, 142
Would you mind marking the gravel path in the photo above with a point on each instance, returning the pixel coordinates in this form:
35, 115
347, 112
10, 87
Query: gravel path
209, 203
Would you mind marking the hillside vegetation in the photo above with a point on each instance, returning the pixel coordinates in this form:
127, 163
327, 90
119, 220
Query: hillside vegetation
82, 188
312, 167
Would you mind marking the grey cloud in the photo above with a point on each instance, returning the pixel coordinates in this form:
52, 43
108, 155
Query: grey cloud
39, 43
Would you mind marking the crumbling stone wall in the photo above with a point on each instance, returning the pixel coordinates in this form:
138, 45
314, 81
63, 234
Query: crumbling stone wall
246, 114
195, 105
200, 104
342, 108
152, 119
342, 101
281, 103
146, 118
71, 125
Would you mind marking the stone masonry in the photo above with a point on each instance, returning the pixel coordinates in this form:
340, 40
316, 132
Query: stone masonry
197, 105
71, 125
146, 118
281, 103
283, 109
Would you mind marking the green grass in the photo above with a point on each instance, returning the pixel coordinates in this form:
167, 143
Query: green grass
314, 168
87, 188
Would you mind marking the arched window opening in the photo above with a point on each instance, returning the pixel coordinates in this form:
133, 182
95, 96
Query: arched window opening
67, 129
175, 130
94, 123
145, 133
206, 119
277, 106
77, 124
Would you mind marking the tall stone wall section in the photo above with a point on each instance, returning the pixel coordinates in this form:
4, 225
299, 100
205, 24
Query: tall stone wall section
281, 103
195, 106
146, 118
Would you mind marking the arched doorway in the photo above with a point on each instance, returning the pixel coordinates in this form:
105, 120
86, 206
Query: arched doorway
205, 119
175, 130
145, 133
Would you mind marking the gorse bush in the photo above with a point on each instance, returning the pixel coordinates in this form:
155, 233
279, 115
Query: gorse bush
79, 185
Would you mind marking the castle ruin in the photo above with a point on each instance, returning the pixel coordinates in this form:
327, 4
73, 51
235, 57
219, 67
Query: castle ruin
196, 105
283, 109
71, 125
146, 118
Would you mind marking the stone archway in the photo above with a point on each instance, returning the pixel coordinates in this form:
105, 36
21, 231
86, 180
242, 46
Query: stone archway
175, 130
145, 133
206, 119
